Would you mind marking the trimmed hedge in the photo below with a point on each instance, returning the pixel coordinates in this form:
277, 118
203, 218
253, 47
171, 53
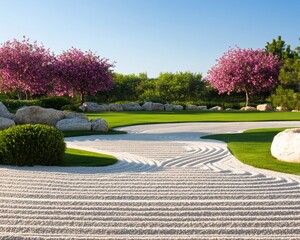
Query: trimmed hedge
31, 145
54, 102
15, 104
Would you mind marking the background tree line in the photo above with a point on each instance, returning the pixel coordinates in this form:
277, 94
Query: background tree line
80, 76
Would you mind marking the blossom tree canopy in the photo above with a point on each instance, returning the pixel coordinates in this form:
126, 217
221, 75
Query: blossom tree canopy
25, 68
83, 73
245, 70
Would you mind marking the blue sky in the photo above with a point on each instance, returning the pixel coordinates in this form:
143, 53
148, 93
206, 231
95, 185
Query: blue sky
152, 36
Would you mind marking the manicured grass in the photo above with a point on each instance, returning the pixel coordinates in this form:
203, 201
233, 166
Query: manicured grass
118, 119
75, 158
252, 147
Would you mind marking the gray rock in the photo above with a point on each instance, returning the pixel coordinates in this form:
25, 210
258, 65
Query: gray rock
248, 109
132, 107
177, 107
115, 107
169, 107
35, 114
6, 123
4, 112
76, 115
191, 107
99, 124
73, 124
202, 107
94, 107
150, 106
285, 145
216, 108
264, 107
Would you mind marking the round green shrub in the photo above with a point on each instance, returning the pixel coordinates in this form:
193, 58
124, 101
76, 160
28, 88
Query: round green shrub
31, 145
54, 102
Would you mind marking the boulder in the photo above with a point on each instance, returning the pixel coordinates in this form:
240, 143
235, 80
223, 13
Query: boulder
150, 106
216, 108
202, 107
147, 106
76, 115
282, 109
264, 107
191, 107
158, 107
35, 114
6, 123
169, 107
285, 145
248, 109
99, 124
4, 112
94, 107
115, 107
177, 107
73, 124
132, 107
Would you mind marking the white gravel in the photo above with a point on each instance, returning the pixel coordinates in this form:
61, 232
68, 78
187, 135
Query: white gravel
168, 184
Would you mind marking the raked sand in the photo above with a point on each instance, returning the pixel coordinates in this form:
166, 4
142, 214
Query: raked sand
168, 184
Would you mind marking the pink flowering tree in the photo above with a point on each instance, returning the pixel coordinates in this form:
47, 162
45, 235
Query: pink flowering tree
83, 73
244, 70
25, 68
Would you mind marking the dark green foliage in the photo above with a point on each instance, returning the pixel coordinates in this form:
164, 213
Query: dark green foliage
31, 145
181, 86
285, 98
15, 104
280, 49
54, 102
71, 107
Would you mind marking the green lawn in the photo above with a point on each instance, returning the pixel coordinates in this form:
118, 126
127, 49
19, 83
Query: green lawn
75, 158
118, 119
252, 147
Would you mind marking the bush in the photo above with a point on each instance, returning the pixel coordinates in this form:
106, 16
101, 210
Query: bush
15, 104
31, 145
285, 98
54, 102
70, 107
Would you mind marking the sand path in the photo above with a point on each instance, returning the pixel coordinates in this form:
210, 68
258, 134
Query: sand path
168, 184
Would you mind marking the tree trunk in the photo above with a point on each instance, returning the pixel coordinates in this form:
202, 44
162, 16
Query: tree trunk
82, 98
247, 99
